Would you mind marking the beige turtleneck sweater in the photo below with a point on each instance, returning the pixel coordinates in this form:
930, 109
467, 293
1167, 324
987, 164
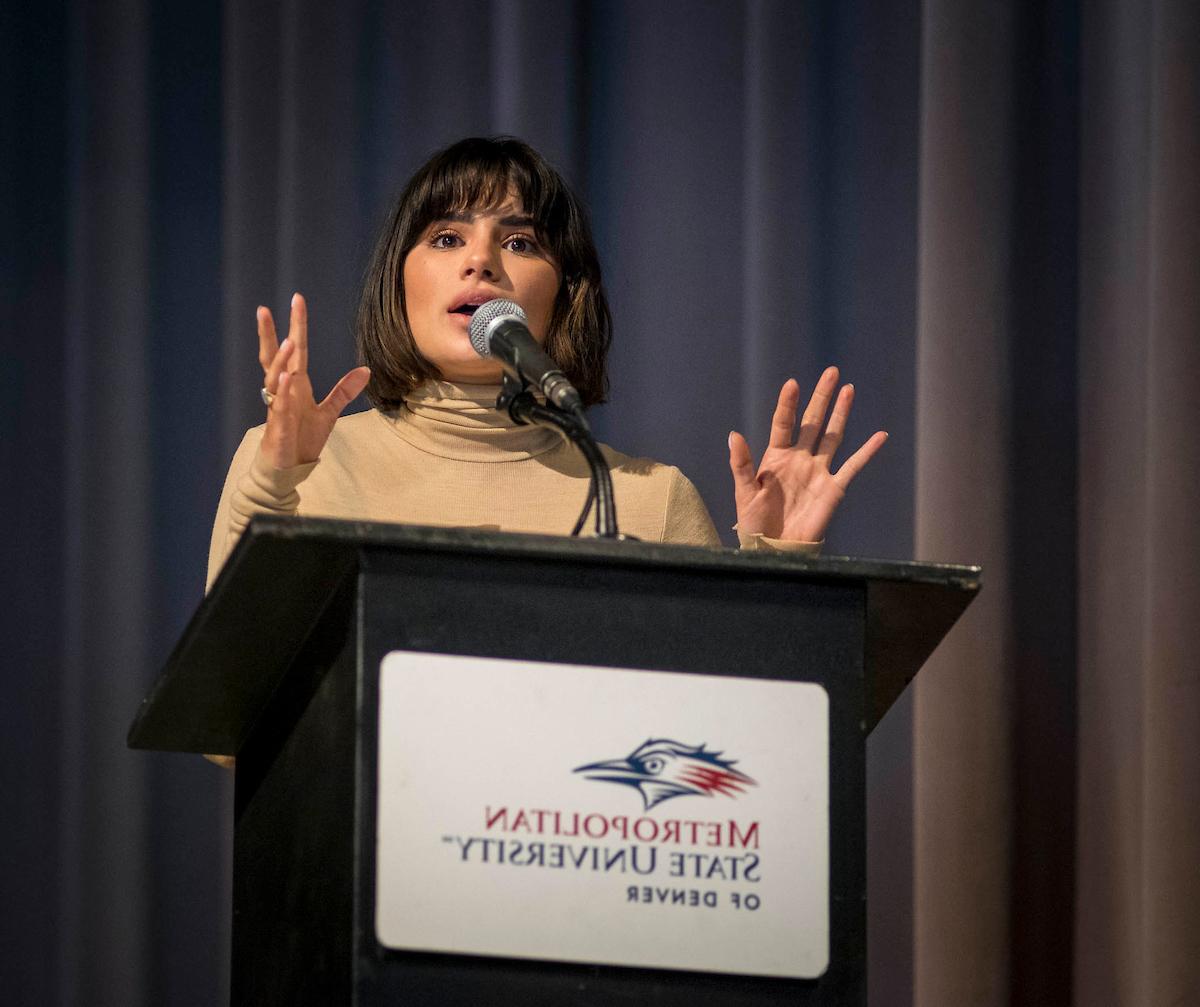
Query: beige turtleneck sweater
450, 458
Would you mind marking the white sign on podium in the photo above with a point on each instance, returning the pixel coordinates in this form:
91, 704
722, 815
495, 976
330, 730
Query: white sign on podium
571, 813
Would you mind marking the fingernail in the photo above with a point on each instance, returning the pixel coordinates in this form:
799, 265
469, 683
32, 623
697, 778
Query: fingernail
287, 340
295, 297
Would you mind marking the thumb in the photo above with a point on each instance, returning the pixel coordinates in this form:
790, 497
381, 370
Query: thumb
741, 465
346, 391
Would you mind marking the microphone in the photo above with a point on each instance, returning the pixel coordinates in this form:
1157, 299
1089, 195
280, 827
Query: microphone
498, 330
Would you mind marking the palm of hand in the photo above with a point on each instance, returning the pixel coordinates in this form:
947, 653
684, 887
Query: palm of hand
300, 441
794, 493
795, 497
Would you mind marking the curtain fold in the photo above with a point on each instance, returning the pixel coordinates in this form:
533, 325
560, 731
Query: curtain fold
1138, 841
104, 951
963, 699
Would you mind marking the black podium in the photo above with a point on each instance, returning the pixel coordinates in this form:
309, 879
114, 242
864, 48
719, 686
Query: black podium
280, 667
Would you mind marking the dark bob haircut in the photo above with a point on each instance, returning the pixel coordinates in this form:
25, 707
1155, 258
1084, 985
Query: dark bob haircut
480, 173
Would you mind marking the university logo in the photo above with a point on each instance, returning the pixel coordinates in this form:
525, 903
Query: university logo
660, 769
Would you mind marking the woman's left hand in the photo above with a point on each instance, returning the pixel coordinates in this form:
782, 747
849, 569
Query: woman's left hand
794, 492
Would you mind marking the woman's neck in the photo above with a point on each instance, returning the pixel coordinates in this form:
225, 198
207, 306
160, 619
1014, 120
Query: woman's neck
461, 421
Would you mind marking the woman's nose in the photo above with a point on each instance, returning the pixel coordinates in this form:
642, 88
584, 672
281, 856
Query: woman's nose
482, 260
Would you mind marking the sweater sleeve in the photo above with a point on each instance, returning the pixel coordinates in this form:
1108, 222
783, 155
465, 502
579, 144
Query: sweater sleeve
686, 520
252, 486
758, 542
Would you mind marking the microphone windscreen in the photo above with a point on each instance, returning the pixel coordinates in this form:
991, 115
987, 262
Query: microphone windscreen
487, 313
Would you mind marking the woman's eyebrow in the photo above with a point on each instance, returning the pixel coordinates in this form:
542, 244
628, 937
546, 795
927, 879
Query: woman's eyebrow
468, 217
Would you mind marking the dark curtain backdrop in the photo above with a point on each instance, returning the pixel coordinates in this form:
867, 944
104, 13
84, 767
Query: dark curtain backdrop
988, 213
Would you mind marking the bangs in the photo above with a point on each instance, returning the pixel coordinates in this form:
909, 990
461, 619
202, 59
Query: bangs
481, 177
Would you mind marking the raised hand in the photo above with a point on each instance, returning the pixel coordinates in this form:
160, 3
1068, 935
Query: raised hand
794, 491
297, 426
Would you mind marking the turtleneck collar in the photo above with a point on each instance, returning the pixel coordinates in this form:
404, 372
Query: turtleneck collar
462, 422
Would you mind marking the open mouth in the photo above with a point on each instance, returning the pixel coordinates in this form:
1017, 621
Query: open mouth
464, 309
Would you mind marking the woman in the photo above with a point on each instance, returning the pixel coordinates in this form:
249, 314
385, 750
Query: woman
490, 218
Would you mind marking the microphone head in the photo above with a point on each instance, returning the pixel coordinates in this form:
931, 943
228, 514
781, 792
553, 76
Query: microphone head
487, 313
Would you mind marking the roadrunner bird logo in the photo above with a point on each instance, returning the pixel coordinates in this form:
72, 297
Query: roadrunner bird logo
660, 769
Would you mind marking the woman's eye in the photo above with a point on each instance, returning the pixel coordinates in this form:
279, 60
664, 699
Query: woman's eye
444, 239
521, 245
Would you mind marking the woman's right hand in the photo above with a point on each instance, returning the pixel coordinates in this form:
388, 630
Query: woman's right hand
297, 427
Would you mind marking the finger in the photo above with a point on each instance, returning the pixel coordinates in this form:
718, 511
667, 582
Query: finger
836, 429
783, 422
741, 465
858, 461
283, 406
268, 340
814, 413
280, 416
298, 334
278, 366
345, 391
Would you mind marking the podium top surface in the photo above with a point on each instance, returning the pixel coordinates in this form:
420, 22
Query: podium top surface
285, 570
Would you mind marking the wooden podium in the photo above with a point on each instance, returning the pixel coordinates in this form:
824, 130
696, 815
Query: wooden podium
280, 667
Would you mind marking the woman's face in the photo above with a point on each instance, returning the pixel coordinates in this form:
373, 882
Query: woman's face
464, 260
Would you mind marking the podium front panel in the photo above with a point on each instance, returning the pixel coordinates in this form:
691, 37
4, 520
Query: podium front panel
610, 615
